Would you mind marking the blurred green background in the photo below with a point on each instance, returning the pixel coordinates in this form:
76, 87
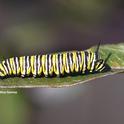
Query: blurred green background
42, 26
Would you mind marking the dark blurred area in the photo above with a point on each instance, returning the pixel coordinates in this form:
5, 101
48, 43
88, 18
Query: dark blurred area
42, 26
37, 27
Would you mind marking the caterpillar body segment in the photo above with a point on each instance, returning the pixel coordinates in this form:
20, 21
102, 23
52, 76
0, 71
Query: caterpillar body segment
55, 64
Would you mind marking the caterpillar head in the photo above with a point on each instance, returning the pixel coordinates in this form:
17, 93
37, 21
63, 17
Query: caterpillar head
100, 64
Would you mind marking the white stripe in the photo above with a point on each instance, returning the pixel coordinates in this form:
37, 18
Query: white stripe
49, 62
70, 60
79, 60
14, 68
17, 64
39, 63
67, 63
5, 67
27, 60
8, 64
79, 57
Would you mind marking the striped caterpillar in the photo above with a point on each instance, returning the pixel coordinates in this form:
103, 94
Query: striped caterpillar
55, 64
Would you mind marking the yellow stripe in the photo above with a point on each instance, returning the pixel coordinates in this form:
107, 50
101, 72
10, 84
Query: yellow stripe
75, 61
65, 62
51, 68
93, 61
2, 68
97, 66
32, 64
21, 59
100, 66
62, 69
89, 61
57, 65
40, 66
2, 74
54, 64
44, 65
84, 62
12, 64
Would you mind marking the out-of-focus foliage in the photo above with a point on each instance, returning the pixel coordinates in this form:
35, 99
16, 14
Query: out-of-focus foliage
13, 108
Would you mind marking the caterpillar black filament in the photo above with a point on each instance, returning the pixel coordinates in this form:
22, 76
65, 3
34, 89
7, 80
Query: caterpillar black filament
55, 64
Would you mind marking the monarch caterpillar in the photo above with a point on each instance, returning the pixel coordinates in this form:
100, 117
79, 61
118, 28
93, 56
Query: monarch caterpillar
54, 64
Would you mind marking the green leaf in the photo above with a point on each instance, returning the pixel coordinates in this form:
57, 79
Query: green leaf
116, 62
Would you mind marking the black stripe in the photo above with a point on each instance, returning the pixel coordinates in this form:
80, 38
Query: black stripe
10, 66
52, 62
59, 62
36, 64
40, 60
100, 65
62, 59
30, 65
68, 61
80, 59
48, 64
41, 64
86, 62
25, 66
15, 64
71, 55
90, 60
